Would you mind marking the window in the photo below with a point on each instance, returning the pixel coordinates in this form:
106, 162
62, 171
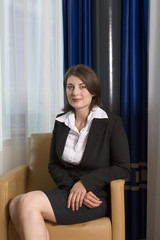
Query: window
31, 68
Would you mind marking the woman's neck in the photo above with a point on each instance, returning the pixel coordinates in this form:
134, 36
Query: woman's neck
81, 119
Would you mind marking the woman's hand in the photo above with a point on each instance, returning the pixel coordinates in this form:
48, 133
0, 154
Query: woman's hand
90, 200
76, 196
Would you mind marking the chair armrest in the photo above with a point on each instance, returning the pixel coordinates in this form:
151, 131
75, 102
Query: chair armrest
12, 184
118, 209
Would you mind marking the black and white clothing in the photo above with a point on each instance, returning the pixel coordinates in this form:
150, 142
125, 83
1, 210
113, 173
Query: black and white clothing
104, 158
76, 141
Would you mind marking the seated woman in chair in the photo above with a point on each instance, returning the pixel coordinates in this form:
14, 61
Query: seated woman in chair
89, 148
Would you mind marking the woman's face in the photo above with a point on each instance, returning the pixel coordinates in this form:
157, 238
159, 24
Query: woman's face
77, 94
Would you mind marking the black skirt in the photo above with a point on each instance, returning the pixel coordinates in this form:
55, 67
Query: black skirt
58, 200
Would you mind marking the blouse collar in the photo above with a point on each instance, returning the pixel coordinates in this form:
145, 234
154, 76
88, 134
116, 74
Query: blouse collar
69, 117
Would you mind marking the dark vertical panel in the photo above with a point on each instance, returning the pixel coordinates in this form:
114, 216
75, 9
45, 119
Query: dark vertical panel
106, 50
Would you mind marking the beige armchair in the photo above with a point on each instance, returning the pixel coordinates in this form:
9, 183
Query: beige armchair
35, 176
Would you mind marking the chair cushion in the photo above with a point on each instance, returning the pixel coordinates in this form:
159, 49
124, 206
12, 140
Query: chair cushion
93, 230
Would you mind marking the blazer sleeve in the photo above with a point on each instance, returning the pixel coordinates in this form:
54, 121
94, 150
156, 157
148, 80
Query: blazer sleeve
119, 161
59, 173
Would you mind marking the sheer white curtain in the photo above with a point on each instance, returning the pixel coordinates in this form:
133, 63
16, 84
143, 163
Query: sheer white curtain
31, 74
153, 210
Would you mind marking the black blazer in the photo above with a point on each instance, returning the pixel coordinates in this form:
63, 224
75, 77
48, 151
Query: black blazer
106, 156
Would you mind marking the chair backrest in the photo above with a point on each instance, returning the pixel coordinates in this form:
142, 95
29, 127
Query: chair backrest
38, 176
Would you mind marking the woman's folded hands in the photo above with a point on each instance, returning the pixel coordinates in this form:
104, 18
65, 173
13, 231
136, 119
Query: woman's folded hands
79, 196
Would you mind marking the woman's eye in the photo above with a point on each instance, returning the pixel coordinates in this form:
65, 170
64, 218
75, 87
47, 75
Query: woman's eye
83, 86
69, 87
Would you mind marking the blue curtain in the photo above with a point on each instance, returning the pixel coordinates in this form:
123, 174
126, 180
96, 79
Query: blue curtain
134, 111
80, 35
89, 28
77, 32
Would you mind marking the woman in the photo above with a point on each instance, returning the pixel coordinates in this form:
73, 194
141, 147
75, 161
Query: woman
89, 148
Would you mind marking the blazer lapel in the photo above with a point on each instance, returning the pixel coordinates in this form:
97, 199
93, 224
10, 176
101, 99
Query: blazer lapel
61, 137
97, 128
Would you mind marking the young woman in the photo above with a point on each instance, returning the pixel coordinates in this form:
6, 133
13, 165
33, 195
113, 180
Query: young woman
89, 148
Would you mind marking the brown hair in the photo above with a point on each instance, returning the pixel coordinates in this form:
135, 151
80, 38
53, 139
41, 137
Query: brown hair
90, 79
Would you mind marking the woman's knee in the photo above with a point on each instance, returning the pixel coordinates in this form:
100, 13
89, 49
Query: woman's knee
26, 205
32, 205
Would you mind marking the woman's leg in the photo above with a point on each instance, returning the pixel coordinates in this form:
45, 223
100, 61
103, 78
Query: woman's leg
28, 212
14, 212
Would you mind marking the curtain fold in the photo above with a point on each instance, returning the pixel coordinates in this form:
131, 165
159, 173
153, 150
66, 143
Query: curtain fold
77, 32
134, 111
106, 50
31, 79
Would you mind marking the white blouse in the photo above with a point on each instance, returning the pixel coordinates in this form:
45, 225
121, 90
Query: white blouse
76, 141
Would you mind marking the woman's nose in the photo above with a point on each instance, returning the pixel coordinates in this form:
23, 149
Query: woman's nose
75, 91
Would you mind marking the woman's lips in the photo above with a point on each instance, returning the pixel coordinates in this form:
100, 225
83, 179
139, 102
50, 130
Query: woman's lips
76, 99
